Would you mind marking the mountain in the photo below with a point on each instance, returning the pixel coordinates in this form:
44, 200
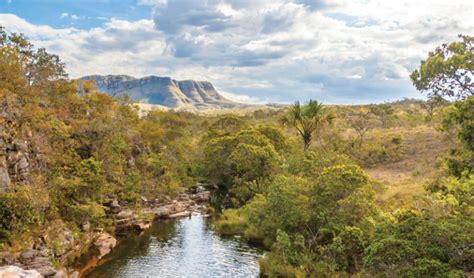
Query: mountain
163, 91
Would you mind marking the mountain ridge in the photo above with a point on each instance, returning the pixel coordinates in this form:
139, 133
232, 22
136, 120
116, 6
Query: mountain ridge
164, 91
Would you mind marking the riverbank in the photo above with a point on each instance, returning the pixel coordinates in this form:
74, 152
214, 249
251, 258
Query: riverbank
182, 247
44, 259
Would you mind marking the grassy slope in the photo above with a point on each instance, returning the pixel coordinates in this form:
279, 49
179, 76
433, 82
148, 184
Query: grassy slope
422, 150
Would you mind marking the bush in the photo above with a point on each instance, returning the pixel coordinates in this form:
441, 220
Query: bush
230, 223
20, 208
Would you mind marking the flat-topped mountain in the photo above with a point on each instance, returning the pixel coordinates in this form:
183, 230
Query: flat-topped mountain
186, 94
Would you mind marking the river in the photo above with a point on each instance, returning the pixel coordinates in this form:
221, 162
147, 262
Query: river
186, 247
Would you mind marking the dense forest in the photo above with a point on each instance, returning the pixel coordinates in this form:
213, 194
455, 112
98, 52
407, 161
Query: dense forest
306, 181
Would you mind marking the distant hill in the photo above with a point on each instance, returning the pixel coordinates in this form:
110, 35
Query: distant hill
164, 91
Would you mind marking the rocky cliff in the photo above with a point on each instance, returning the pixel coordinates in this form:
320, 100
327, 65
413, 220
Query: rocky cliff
187, 94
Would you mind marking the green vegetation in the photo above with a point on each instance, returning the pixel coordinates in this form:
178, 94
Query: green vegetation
399, 206
321, 215
81, 148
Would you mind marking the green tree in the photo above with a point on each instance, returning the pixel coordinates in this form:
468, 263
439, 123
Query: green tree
448, 71
431, 104
383, 111
308, 120
361, 122
240, 162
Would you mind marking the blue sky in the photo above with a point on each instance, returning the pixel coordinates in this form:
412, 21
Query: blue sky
78, 14
338, 51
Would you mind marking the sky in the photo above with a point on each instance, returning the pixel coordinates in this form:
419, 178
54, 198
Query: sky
253, 51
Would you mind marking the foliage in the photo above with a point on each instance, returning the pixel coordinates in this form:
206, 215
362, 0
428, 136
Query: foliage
241, 162
383, 111
448, 71
313, 208
401, 245
361, 122
308, 119
85, 147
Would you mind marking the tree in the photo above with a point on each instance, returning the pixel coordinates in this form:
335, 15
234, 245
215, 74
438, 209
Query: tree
460, 118
239, 163
448, 71
361, 123
308, 119
431, 104
383, 111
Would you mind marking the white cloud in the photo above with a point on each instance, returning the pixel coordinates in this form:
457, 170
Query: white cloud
242, 98
68, 15
336, 51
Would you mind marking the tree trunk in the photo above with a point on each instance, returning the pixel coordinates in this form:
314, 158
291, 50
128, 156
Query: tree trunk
307, 141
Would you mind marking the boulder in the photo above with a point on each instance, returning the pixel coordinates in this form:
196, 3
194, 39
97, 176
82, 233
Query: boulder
43, 265
22, 164
104, 244
200, 187
183, 197
114, 206
185, 213
164, 211
28, 255
12, 271
126, 214
203, 196
34, 259
141, 225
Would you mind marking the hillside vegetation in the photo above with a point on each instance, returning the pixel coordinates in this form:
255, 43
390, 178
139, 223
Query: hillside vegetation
383, 190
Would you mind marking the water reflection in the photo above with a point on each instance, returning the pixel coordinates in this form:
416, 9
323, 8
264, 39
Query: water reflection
183, 248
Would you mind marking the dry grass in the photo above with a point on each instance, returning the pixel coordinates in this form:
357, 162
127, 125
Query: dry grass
423, 149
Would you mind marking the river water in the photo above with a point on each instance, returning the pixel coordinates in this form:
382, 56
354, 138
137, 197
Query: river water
186, 247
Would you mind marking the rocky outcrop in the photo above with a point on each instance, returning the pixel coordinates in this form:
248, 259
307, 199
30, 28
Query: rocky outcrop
12, 271
104, 244
58, 243
36, 260
187, 94
14, 161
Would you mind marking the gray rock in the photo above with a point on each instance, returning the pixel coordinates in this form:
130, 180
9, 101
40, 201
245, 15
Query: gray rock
4, 178
203, 196
114, 206
20, 145
12, 271
23, 164
43, 265
126, 214
28, 255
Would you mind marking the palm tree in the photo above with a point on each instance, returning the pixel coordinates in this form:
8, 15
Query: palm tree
308, 119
